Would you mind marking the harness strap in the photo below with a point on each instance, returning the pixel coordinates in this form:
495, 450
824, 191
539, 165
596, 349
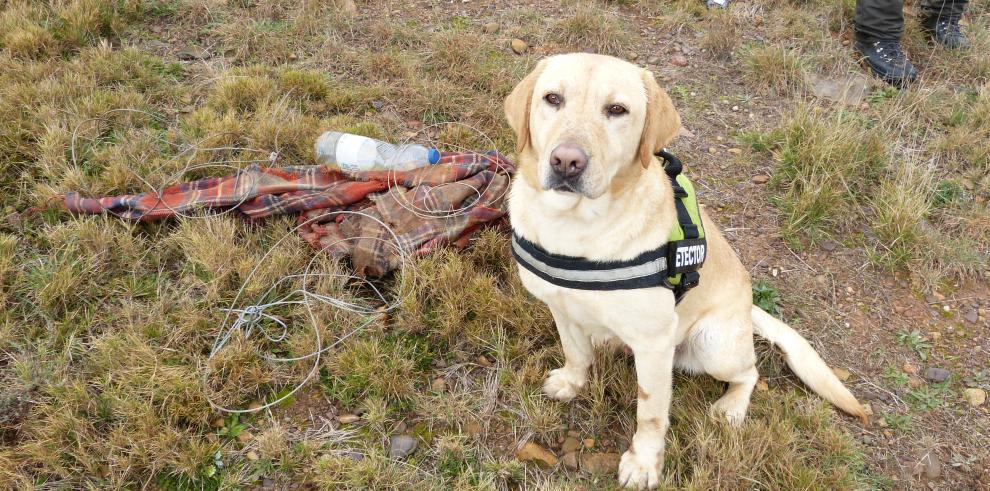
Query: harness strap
684, 274
648, 270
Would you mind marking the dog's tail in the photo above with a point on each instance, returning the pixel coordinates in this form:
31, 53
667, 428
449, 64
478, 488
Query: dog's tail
805, 362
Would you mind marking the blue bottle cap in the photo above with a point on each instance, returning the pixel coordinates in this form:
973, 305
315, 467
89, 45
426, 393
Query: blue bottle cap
433, 156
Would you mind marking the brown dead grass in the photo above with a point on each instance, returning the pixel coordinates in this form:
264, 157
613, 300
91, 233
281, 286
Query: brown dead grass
105, 326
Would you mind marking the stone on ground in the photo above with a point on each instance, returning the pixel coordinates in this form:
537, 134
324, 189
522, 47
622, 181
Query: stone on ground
532, 452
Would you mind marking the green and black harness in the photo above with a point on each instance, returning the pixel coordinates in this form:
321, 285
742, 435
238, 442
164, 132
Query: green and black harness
673, 265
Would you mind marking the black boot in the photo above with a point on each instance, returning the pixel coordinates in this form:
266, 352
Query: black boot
887, 60
945, 31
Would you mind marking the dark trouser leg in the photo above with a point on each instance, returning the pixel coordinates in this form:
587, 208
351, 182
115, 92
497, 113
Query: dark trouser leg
942, 9
880, 19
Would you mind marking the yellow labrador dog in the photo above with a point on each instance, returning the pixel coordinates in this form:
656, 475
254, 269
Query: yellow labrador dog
590, 187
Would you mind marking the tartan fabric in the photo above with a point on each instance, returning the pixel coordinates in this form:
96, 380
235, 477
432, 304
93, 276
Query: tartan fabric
417, 205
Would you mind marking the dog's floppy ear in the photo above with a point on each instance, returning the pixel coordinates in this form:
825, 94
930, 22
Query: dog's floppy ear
662, 121
517, 106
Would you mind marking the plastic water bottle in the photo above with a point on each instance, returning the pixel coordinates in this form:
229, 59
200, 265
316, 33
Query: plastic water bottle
355, 153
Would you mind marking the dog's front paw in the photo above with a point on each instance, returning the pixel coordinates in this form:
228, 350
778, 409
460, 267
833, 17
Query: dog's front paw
640, 471
563, 384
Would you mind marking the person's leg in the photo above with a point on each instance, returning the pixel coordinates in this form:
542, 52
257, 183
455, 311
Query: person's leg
879, 19
949, 9
940, 19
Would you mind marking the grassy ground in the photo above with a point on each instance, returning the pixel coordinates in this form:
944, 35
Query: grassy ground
871, 237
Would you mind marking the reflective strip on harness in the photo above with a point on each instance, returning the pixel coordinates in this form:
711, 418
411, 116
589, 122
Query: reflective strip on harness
647, 270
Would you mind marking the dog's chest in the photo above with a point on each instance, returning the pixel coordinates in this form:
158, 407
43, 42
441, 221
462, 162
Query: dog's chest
605, 313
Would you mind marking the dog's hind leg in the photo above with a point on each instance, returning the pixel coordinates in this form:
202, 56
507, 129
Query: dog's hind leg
565, 382
724, 350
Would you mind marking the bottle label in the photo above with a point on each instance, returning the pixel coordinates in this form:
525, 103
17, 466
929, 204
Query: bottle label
349, 155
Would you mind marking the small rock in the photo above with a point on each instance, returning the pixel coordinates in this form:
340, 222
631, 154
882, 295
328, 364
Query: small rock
915, 382
633, 56
355, 456
735, 151
348, 418
218, 422
830, 245
245, 436
491, 27
712, 150
571, 444
293, 57
588, 443
931, 299
735, 108
192, 54
685, 132
531, 452
938, 296
438, 384
400, 446
971, 316
378, 105
760, 179
570, 460
600, 463
843, 374
975, 397
679, 60
483, 361
267, 483
762, 386
937, 374
868, 409
909, 369
348, 7
156, 45
653, 60
882, 422
252, 456
519, 46
929, 465
849, 90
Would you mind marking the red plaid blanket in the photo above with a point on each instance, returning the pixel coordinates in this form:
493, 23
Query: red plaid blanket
426, 207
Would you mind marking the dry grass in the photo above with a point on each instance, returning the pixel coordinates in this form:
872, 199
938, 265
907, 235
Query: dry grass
774, 68
911, 164
722, 37
105, 326
588, 25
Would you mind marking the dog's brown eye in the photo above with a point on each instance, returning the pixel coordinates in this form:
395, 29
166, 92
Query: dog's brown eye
553, 99
616, 110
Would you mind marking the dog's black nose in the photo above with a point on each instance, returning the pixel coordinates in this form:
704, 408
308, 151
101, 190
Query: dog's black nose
568, 161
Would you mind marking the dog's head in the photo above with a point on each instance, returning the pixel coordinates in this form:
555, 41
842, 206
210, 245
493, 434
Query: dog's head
585, 119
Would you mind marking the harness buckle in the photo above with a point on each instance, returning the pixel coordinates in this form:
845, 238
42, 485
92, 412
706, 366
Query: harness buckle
690, 280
